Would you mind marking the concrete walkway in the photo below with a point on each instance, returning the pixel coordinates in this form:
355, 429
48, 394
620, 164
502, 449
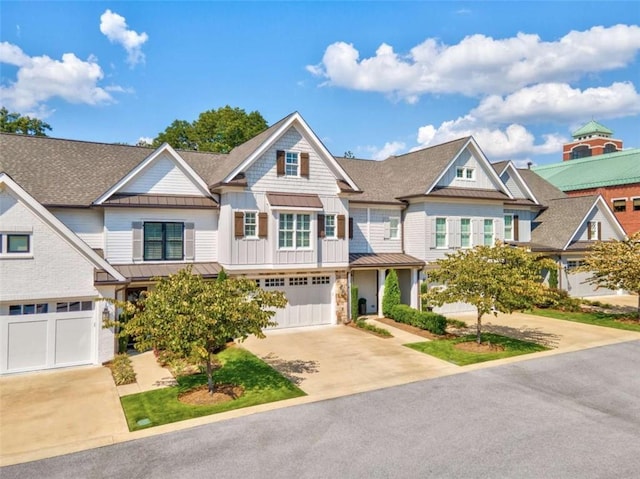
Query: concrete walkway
149, 375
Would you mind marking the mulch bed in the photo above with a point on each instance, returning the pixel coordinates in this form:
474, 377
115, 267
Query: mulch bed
222, 393
474, 347
413, 330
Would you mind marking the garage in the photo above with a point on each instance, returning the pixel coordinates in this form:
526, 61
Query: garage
44, 341
309, 300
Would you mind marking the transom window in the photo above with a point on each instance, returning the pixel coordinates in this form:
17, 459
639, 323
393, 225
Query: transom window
298, 281
273, 282
620, 205
488, 232
330, 226
574, 263
508, 227
315, 280
163, 241
441, 232
294, 231
37, 308
465, 232
394, 227
465, 173
291, 163
250, 224
74, 306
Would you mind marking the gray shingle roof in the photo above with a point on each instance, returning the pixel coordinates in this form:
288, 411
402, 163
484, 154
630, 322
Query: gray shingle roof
555, 226
541, 188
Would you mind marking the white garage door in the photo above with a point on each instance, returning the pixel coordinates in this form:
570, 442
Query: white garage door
309, 300
44, 341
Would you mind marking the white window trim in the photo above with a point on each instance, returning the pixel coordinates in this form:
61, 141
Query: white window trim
295, 232
244, 225
335, 226
594, 234
465, 170
470, 234
397, 229
613, 200
505, 227
493, 232
4, 245
632, 199
298, 161
446, 233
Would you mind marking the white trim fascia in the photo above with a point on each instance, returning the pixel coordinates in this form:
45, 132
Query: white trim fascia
483, 159
60, 227
521, 181
606, 211
295, 119
183, 165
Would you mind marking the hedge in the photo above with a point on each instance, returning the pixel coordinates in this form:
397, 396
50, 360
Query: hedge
432, 322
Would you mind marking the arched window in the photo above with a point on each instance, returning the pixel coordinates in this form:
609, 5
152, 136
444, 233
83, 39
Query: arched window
580, 152
610, 148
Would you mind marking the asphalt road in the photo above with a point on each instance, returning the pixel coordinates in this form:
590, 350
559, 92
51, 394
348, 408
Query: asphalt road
574, 415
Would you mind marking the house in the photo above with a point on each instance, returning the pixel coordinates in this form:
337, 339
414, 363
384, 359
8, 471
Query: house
596, 164
82, 223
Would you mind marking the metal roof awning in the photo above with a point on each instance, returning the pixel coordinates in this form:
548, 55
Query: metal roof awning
146, 272
160, 201
294, 200
383, 260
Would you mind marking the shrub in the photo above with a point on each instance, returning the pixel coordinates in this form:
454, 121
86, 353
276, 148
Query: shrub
122, 370
560, 299
391, 295
362, 324
456, 323
553, 278
401, 313
354, 302
432, 322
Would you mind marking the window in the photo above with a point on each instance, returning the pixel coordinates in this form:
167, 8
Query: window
620, 205
441, 232
250, 224
330, 226
573, 264
18, 309
394, 227
291, 163
294, 231
273, 282
609, 148
163, 241
580, 152
465, 232
74, 306
508, 227
465, 173
593, 230
636, 204
18, 243
315, 280
488, 232
298, 281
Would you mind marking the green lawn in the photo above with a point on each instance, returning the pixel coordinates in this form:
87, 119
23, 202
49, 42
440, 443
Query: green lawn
444, 349
262, 384
598, 319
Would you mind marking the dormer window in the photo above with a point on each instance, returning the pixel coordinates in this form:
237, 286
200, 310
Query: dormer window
466, 173
292, 163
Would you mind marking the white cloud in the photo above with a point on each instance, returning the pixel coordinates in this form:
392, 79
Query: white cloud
114, 27
144, 141
41, 78
560, 102
389, 149
479, 65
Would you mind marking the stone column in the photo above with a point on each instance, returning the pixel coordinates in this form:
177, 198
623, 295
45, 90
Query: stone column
341, 289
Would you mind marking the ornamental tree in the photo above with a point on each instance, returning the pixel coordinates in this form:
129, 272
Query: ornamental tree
615, 264
492, 278
193, 318
391, 295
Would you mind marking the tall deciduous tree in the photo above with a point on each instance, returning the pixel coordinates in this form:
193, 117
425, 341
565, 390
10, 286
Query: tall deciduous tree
491, 278
391, 295
218, 131
24, 125
615, 264
194, 318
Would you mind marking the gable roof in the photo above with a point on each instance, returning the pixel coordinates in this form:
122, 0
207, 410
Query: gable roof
508, 167
618, 168
60, 228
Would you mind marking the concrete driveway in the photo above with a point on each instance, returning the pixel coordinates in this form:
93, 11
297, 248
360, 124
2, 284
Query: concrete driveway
55, 412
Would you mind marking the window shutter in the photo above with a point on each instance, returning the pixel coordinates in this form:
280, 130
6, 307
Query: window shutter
599, 231
239, 224
341, 225
263, 225
304, 165
478, 232
321, 231
433, 233
454, 232
280, 162
498, 231
136, 227
189, 242
350, 228
516, 228
387, 228
589, 230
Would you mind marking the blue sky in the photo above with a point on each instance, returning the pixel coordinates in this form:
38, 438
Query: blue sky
375, 78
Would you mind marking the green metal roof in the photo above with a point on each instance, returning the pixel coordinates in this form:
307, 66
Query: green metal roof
590, 128
619, 168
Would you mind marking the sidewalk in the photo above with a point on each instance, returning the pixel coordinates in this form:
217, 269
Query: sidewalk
149, 375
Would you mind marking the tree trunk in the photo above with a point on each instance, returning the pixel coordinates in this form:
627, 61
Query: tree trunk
209, 374
479, 328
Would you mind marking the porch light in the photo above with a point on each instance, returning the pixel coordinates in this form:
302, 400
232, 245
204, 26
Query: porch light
106, 315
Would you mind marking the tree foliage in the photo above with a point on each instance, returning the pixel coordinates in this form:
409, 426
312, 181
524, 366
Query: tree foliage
193, 318
615, 264
491, 278
218, 131
391, 296
23, 125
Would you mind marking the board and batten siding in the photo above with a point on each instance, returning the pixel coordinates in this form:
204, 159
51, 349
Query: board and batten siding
87, 223
162, 177
119, 231
512, 186
262, 175
482, 179
607, 229
53, 268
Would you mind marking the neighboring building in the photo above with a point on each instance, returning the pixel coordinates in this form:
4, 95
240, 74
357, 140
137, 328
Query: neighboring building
82, 223
599, 166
